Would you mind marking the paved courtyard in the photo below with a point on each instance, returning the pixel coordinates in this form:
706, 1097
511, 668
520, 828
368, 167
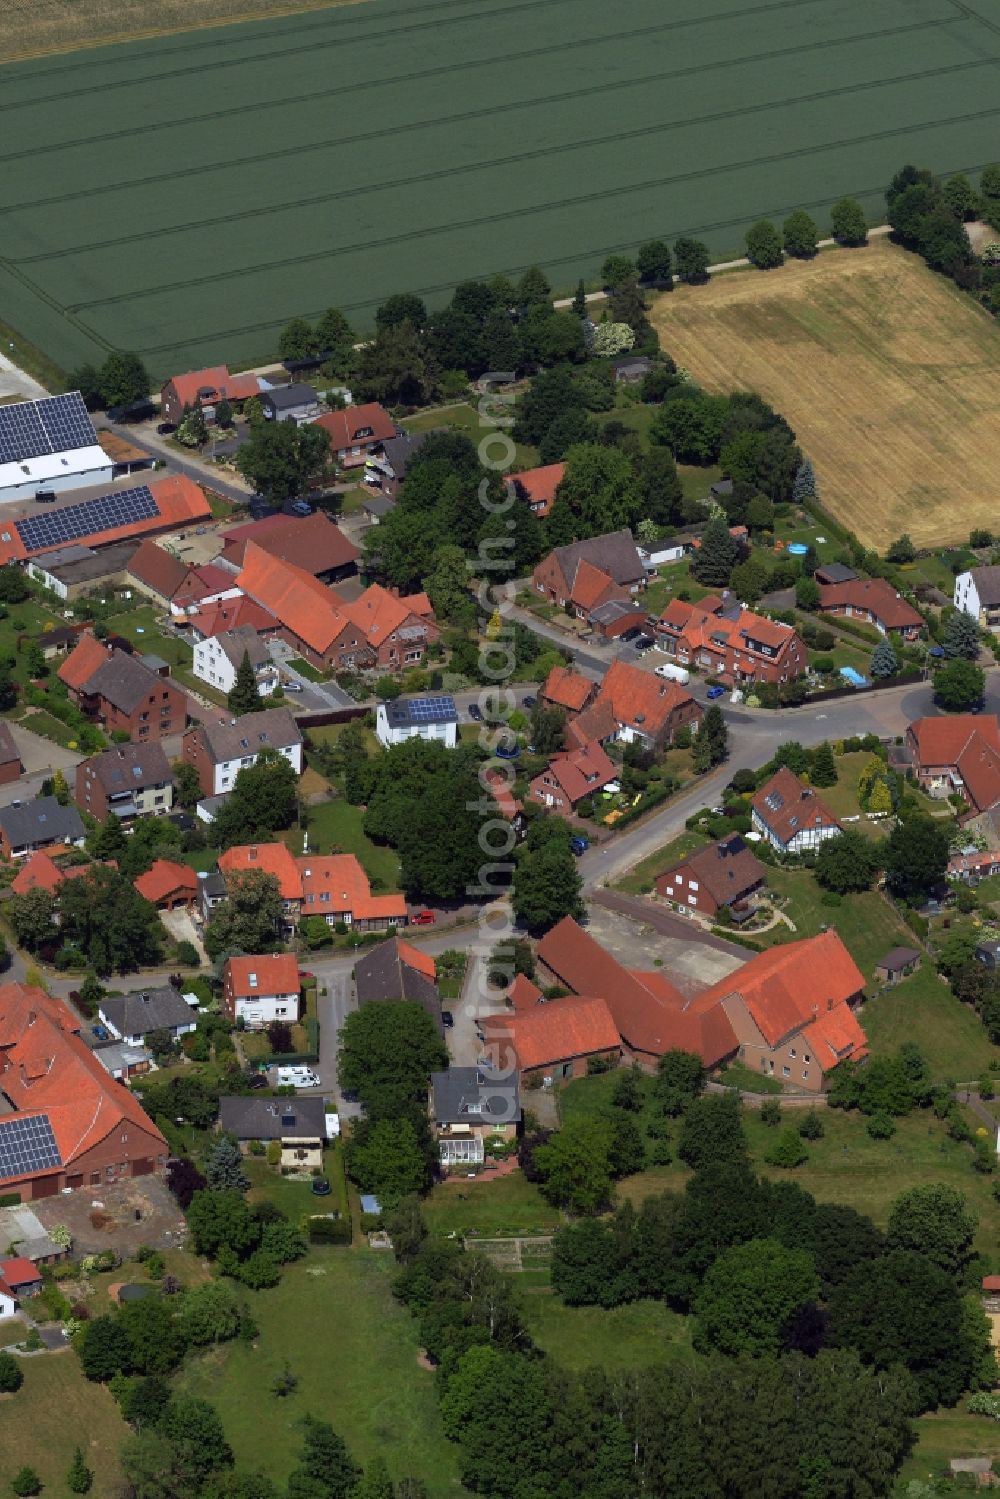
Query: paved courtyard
689, 964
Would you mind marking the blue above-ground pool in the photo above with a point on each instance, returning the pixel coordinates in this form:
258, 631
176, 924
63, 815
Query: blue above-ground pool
854, 677
797, 548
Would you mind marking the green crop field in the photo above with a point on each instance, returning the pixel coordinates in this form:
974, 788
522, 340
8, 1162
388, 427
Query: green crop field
185, 195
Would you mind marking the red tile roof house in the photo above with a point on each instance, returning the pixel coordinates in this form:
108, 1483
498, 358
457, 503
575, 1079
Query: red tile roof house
258, 990
566, 688
554, 1041
313, 542
40, 871
20, 1277
83, 1128
787, 1013
122, 693
726, 874
570, 777
733, 643
333, 886
357, 432
958, 753
219, 751
205, 388
588, 573
537, 486
376, 632
240, 613
131, 780
635, 707
168, 886
873, 600
790, 815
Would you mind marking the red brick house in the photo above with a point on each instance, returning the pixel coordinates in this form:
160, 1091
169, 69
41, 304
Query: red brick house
730, 642
131, 780
205, 388
357, 432
876, 602
570, 777
168, 886
332, 886
537, 486
376, 632
588, 573
635, 707
122, 693
958, 753
555, 1040
66, 1124
725, 874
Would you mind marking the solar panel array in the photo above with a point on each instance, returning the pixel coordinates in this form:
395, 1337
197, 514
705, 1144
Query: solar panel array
428, 710
27, 1145
105, 513
56, 424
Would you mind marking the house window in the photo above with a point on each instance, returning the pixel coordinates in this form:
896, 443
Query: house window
791, 1051
785, 1072
806, 1057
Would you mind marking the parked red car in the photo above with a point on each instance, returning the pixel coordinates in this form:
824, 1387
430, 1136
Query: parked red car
423, 918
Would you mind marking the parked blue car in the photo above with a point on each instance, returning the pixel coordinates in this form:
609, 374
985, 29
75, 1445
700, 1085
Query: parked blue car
101, 1033
714, 692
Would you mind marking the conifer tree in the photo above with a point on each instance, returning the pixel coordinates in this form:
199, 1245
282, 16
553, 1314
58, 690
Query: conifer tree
244, 696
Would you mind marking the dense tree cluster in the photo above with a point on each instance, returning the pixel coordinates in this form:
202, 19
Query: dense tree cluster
103, 922
427, 802
926, 218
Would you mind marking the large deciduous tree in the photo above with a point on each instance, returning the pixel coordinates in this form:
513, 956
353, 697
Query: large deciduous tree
279, 458
750, 1293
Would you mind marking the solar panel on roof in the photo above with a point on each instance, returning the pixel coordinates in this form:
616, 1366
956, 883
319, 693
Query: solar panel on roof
106, 513
56, 424
27, 1145
431, 709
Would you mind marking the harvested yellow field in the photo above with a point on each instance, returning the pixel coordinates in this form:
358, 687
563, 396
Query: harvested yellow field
32, 28
889, 376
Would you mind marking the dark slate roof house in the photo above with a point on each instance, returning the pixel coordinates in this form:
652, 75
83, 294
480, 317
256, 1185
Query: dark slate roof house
150, 1010
25, 826
465, 1095
397, 970
273, 1118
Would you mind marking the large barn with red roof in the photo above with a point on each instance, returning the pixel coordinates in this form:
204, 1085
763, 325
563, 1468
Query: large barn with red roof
787, 1014
66, 1122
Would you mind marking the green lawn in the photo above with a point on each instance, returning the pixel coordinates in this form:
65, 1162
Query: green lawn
41, 722
55, 1410
309, 672
465, 418
848, 1166
945, 1434
334, 1321
141, 628
867, 923
338, 827
295, 1198
647, 869
634, 1336
923, 1009
508, 1205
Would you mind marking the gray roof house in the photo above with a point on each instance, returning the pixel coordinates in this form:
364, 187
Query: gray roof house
385, 972
389, 465
130, 1017
471, 1094
42, 823
290, 403
254, 1118
124, 681
471, 1108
